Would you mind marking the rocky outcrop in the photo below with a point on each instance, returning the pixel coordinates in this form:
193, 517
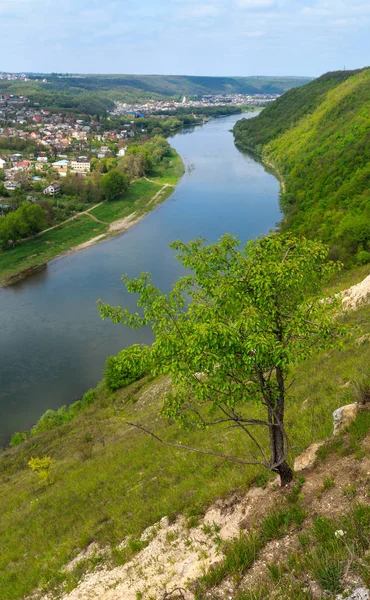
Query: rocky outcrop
359, 594
344, 416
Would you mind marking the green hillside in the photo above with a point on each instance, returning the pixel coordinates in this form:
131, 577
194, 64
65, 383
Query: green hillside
318, 137
96, 93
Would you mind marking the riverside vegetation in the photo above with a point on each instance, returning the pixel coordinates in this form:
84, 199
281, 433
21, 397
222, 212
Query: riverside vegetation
318, 138
141, 180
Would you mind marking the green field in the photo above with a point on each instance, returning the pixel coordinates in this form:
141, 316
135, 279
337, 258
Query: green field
111, 481
48, 245
138, 194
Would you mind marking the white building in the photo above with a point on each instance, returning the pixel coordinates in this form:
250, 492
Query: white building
80, 164
52, 190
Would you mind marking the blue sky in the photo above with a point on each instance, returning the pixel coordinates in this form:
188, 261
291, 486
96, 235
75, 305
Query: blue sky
193, 37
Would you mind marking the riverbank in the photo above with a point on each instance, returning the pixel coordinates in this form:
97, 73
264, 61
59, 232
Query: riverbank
92, 226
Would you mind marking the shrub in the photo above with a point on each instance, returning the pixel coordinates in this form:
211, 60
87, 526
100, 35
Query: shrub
88, 398
128, 366
51, 419
64, 414
362, 257
42, 467
17, 438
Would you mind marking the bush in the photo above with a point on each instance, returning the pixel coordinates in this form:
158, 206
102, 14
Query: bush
42, 467
362, 257
88, 398
17, 438
128, 366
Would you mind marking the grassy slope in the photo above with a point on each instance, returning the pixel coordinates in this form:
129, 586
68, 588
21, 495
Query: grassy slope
111, 481
137, 199
318, 136
49, 245
137, 195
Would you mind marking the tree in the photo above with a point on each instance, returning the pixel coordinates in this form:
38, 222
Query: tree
11, 230
228, 333
113, 184
33, 217
136, 162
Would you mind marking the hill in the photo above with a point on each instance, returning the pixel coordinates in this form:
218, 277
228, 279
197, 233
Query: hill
318, 138
96, 93
109, 482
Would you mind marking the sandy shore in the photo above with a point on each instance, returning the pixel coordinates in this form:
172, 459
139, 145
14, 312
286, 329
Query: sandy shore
119, 226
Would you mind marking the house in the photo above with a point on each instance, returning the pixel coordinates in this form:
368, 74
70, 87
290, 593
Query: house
61, 167
14, 158
122, 151
11, 186
43, 159
24, 164
2, 163
53, 189
80, 164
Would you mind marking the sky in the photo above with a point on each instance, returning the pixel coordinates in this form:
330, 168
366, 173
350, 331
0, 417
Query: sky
184, 37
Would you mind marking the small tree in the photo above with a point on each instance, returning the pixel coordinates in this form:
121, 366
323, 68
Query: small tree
228, 333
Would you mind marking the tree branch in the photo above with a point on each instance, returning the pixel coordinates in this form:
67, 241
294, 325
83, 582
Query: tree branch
190, 449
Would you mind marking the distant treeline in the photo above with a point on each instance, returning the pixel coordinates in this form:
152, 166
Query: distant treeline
95, 94
318, 137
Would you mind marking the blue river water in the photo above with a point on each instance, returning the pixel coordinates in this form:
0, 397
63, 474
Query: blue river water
53, 344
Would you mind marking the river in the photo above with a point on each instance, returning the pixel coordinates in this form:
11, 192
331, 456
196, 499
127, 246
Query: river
53, 344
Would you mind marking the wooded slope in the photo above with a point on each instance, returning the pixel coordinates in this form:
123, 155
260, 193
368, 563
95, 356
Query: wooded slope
318, 136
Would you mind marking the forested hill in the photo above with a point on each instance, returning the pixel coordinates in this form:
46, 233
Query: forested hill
318, 137
96, 93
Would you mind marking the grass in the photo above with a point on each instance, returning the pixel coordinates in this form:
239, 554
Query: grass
332, 548
49, 245
111, 481
241, 553
137, 196
346, 279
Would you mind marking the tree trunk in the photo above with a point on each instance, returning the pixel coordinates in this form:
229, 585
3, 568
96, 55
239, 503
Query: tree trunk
285, 473
277, 440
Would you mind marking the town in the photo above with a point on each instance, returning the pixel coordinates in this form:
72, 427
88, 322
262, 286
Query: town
48, 145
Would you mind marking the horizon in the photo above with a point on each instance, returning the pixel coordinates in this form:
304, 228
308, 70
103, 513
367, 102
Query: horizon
98, 74
185, 36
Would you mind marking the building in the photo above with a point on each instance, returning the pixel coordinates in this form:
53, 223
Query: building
80, 164
61, 166
53, 189
11, 186
2, 163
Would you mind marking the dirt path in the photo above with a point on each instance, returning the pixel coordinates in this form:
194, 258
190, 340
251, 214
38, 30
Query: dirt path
118, 226
84, 212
